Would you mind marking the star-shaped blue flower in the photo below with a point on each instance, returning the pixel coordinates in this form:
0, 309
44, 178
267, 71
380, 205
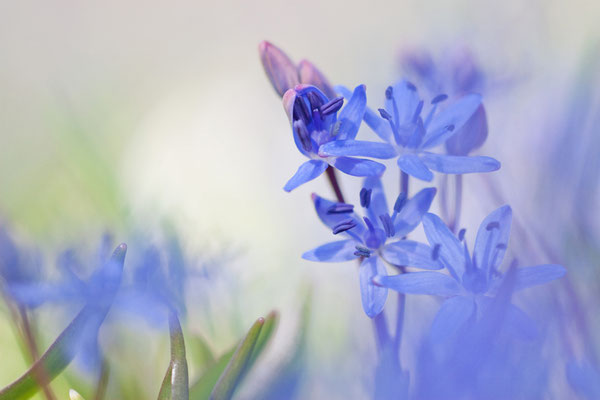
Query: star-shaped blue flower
315, 122
473, 281
408, 134
368, 237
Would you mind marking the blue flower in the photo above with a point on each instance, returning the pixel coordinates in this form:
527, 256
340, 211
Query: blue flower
315, 122
472, 281
408, 135
367, 238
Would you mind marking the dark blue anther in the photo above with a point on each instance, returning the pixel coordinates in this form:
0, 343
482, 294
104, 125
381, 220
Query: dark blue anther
400, 202
303, 135
439, 98
493, 225
461, 234
450, 128
332, 106
340, 208
501, 246
388, 226
435, 253
369, 224
389, 92
417, 111
411, 86
344, 226
362, 251
301, 112
365, 197
384, 114
315, 100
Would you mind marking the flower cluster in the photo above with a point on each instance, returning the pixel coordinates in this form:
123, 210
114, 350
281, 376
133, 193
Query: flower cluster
422, 137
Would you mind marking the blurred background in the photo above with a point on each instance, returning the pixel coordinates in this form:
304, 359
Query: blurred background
129, 116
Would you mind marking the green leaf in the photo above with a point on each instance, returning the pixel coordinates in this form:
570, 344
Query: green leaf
175, 385
200, 352
236, 367
266, 333
203, 386
65, 347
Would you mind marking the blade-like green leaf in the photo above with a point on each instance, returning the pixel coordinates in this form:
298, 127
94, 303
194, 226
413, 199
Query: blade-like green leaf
200, 354
66, 346
266, 333
203, 386
175, 385
236, 367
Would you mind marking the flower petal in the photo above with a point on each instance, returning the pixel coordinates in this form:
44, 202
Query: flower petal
339, 251
426, 282
492, 239
411, 214
406, 97
538, 275
410, 253
306, 172
451, 251
471, 136
378, 203
453, 313
351, 115
518, 323
373, 297
310, 75
379, 125
453, 116
280, 70
412, 165
358, 166
322, 207
459, 164
357, 148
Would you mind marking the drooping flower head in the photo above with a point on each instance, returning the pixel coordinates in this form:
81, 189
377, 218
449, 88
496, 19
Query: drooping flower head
373, 237
410, 130
315, 123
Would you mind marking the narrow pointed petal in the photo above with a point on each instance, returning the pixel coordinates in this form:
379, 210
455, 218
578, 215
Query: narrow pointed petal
459, 164
492, 239
518, 323
411, 254
453, 313
307, 172
358, 166
411, 214
322, 207
538, 275
352, 114
340, 251
471, 136
406, 99
373, 297
280, 70
311, 75
380, 126
451, 251
426, 282
453, 116
358, 148
378, 203
412, 165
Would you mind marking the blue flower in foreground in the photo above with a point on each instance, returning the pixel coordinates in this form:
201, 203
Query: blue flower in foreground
473, 281
315, 122
368, 238
408, 135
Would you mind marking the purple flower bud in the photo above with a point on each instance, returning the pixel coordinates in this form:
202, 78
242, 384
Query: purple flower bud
280, 70
310, 75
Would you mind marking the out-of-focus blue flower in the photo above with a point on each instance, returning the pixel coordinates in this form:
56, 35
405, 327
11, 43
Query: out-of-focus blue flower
473, 281
409, 135
367, 238
584, 379
316, 123
456, 73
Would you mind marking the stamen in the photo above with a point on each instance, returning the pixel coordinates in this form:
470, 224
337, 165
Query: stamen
340, 208
411, 86
493, 225
303, 135
365, 197
332, 106
344, 226
450, 128
435, 253
369, 224
439, 98
362, 251
501, 246
417, 111
388, 226
461, 234
315, 101
400, 202
384, 114
389, 93
301, 112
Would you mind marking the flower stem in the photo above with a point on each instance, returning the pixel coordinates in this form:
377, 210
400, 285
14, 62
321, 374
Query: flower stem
458, 189
334, 184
